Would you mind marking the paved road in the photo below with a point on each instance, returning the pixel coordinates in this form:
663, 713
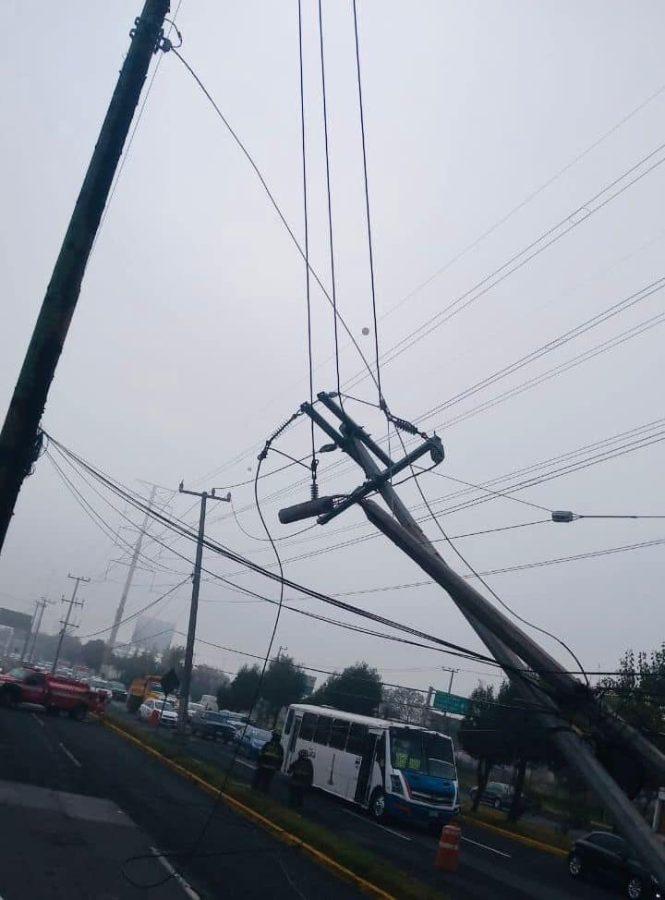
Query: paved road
492, 867
76, 801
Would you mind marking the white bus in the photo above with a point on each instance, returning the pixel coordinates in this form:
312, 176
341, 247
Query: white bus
389, 768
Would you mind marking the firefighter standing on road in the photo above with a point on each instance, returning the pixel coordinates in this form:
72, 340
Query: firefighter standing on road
270, 761
302, 776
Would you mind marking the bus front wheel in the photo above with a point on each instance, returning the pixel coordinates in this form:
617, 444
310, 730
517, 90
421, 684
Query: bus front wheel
377, 806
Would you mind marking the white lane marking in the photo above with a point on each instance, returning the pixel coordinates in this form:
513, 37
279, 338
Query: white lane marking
187, 888
485, 847
39, 721
70, 755
382, 827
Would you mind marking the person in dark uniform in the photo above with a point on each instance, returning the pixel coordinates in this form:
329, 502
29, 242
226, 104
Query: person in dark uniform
270, 761
302, 776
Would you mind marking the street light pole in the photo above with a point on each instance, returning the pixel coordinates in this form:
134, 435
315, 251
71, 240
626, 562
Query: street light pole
194, 605
453, 672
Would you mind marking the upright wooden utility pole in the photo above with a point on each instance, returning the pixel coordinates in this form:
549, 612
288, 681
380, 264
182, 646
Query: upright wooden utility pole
194, 605
20, 436
65, 622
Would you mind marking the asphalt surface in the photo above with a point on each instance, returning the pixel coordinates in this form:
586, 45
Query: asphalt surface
491, 866
77, 802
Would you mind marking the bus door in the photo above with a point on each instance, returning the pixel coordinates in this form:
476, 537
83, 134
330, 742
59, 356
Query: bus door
294, 734
365, 768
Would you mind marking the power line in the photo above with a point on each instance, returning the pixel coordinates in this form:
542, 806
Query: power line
515, 209
491, 590
306, 224
591, 554
138, 612
338, 317
643, 436
132, 135
554, 344
367, 206
458, 651
549, 237
501, 221
534, 381
328, 196
120, 491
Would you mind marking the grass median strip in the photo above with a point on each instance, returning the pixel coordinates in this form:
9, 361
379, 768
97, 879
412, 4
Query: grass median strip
530, 836
371, 874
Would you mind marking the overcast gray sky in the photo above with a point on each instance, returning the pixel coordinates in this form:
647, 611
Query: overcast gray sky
188, 344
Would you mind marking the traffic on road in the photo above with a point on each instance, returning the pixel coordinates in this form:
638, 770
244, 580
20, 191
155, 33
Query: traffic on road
392, 787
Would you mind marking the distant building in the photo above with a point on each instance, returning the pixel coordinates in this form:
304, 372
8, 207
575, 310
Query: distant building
21, 624
154, 635
310, 682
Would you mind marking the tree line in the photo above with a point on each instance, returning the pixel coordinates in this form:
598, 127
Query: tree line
499, 729
356, 689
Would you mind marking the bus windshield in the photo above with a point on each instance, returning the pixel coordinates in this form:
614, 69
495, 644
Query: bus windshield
422, 751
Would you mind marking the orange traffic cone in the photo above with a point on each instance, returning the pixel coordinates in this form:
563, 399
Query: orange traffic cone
447, 854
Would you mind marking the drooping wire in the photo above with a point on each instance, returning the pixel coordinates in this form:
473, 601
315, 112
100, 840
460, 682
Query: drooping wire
367, 209
314, 462
123, 160
491, 590
329, 198
338, 317
192, 852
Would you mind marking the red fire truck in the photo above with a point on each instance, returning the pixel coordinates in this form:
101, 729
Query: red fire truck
53, 692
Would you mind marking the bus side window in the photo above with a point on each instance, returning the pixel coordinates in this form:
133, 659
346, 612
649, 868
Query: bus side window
339, 733
356, 741
308, 726
381, 750
289, 722
323, 728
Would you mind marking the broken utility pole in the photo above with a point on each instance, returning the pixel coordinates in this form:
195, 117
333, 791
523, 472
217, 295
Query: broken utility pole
20, 438
565, 707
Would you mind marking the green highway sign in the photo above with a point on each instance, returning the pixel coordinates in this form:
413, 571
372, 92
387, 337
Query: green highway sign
450, 703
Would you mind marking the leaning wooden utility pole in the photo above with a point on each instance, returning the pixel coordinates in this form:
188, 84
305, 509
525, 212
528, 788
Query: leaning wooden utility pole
564, 707
20, 437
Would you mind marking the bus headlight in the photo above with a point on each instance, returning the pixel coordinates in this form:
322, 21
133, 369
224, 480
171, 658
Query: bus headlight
396, 784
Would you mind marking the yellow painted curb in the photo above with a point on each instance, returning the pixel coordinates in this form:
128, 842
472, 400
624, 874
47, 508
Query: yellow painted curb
521, 838
281, 833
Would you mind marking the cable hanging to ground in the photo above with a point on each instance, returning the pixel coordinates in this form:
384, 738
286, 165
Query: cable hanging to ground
367, 207
329, 198
314, 462
168, 47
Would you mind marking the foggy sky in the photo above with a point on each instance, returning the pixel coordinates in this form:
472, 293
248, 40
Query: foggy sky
189, 342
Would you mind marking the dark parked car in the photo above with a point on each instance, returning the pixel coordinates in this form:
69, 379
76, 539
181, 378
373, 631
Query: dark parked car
608, 858
211, 724
498, 795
